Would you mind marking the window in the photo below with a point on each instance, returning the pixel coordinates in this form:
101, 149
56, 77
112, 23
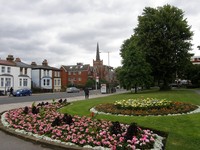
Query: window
8, 70
44, 72
20, 82
3, 69
47, 72
69, 73
58, 81
44, 82
25, 71
58, 74
74, 73
79, 79
25, 82
21, 70
55, 73
79, 72
55, 82
2, 82
48, 82
8, 81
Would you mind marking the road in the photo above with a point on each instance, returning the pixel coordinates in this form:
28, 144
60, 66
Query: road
41, 97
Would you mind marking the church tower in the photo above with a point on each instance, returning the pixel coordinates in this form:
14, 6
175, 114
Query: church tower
97, 53
98, 64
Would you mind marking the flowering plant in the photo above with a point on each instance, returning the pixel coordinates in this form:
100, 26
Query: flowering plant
144, 107
142, 103
81, 131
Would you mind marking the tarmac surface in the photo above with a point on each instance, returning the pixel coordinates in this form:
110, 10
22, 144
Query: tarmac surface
9, 141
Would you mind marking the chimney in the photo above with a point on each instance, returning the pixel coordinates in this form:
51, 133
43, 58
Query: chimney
45, 63
79, 64
10, 58
17, 60
33, 64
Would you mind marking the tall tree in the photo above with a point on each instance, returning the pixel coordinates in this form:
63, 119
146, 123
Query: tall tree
193, 74
165, 37
135, 70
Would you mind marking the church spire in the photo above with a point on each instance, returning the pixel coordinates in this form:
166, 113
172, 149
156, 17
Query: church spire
97, 54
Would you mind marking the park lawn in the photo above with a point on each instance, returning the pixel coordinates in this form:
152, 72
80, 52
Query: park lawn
183, 130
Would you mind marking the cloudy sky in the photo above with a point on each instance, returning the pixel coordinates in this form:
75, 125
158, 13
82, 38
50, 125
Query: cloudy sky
67, 31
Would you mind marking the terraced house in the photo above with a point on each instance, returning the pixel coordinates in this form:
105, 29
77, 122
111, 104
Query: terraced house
14, 73
45, 77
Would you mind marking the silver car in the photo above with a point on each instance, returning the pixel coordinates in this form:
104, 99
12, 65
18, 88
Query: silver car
73, 90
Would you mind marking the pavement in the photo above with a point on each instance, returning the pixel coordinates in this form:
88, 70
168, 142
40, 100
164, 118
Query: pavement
11, 140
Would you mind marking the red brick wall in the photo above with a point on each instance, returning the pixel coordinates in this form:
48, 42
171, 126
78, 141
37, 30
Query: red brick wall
64, 77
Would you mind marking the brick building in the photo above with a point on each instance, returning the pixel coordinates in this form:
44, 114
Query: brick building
100, 70
76, 75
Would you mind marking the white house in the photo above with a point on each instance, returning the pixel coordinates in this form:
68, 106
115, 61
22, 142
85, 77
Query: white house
24, 77
14, 73
45, 77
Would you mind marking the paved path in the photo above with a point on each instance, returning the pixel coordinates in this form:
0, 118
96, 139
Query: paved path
10, 142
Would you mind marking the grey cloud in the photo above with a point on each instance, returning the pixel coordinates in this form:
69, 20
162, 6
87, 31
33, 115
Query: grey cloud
66, 31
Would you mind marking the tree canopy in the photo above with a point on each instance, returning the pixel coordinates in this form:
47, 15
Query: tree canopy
163, 39
135, 71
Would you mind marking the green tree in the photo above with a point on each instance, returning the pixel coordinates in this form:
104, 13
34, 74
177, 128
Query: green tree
90, 83
165, 37
120, 76
135, 71
194, 75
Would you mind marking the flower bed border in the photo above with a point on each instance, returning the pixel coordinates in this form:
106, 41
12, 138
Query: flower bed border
48, 143
104, 113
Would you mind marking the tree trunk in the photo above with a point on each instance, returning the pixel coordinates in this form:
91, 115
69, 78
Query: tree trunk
136, 88
165, 86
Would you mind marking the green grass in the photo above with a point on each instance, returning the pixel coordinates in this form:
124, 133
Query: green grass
184, 130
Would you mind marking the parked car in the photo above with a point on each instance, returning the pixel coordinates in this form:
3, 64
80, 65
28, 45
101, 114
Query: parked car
73, 90
22, 92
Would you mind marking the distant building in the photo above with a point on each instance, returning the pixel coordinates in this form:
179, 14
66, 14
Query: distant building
45, 77
100, 70
76, 75
14, 73
195, 60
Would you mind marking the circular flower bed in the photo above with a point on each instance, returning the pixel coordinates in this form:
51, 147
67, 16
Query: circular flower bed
143, 107
46, 122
